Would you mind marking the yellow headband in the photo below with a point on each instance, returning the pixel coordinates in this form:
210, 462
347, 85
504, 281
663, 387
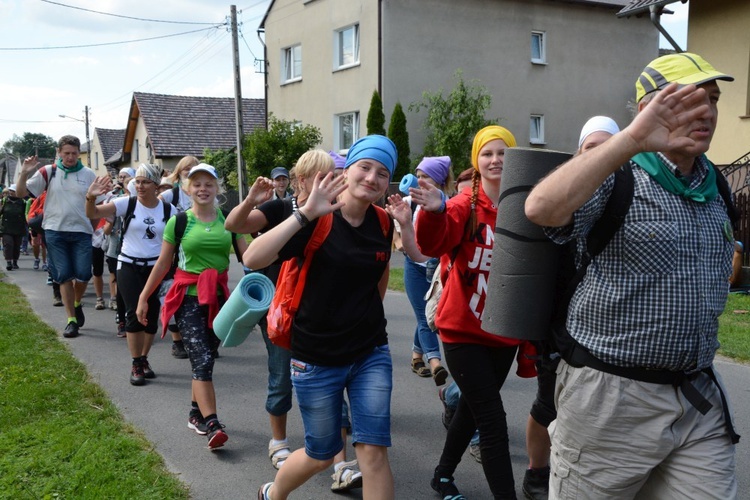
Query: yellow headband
486, 135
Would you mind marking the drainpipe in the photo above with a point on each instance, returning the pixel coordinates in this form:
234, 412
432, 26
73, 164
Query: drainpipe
655, 17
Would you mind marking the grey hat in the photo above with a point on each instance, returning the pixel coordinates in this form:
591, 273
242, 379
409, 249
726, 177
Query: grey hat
278, 172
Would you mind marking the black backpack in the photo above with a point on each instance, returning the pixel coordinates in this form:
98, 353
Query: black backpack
180, 224
601, 234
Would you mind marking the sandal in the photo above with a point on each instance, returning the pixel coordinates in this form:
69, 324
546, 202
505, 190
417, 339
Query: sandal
277, 455
418, 367
439, 375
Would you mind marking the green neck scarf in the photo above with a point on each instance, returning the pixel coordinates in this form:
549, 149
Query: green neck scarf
72, 170
655, 167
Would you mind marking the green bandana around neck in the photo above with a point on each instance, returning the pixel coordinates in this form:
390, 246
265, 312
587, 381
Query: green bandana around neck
655, 167
78, 166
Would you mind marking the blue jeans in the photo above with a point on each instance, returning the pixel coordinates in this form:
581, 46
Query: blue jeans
451, 395
416, 285
69, 255
320, 393
279, 396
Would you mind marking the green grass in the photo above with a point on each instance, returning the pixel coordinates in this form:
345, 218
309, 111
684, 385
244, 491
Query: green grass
734, 328
60, 435
396, 280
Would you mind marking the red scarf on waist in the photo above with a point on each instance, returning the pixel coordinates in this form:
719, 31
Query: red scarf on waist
208, 282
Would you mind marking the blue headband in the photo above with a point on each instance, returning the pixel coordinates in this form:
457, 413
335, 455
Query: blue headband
373, 147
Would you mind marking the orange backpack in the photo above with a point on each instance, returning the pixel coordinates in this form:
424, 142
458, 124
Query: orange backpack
291, 281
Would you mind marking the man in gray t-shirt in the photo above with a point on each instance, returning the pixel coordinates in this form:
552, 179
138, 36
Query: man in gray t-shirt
67, 230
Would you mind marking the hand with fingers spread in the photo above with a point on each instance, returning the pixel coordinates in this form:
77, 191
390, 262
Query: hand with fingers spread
322, 199
428, 195
399, 210
30, 164
654, 127
100, 186
260, 191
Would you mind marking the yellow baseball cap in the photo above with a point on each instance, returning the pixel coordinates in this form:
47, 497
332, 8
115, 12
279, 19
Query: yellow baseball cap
683, 68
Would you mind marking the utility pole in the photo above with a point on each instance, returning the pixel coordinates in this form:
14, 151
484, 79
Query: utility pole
241, 181
88, 142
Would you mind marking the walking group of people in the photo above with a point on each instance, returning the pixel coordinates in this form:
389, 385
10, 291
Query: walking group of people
628, 406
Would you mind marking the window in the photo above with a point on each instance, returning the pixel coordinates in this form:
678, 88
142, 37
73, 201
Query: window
292, 64
136, 151
538, 47
96, 160
536, 129
346, 50
346, 128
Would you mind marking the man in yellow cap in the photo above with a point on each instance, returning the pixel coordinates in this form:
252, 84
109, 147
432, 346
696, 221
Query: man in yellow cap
641, 411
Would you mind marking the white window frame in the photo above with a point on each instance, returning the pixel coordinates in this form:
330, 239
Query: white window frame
288, 64
539, 39
536, 129
338, 47
339, 141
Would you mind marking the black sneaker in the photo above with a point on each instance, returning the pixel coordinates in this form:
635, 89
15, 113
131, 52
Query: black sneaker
15, 265
178, 350
445, 487
147, 371
121, 333
80, 316
536, 484
448, 411
216, 435
136, 374
71, 330
197, 423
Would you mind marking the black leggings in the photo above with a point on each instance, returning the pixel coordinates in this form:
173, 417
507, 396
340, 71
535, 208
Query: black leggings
131, 279
97, 261
12, 246
480, 372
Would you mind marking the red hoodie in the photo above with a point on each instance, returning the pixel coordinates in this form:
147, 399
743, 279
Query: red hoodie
459, 313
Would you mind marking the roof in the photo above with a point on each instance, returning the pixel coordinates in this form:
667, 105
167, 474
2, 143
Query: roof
638, 7
185, 125
110, 140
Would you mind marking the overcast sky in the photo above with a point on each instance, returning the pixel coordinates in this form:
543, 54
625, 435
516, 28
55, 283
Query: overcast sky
38, 85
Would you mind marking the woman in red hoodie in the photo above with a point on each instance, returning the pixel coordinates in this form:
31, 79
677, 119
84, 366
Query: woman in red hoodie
463, 229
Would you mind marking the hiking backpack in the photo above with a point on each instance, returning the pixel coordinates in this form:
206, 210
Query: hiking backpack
601, 234
35, 217
292, 277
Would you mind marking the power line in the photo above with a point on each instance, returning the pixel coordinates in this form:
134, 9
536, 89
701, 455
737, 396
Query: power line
122, 16
110, 43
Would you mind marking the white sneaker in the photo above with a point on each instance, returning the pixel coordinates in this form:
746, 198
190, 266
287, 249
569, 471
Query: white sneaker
347, 477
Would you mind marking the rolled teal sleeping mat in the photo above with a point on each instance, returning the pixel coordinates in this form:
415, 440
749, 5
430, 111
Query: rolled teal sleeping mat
247, 304
524, 264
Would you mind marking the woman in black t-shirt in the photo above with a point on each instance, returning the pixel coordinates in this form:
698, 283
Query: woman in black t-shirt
338, 336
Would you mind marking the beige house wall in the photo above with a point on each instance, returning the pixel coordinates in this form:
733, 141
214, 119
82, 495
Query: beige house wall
322, 92
97, 153
719, 30
593, 60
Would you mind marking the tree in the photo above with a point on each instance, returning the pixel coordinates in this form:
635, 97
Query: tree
29, 144
375, 116
279, 146
398, 134
452, 121
225, 163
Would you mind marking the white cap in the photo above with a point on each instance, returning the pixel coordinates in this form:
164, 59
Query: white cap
598, 124
203, 167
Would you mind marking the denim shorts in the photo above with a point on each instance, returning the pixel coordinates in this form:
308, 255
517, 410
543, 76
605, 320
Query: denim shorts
320, 392
69, 255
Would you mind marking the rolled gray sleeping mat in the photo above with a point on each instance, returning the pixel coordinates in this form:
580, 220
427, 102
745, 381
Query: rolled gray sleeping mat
524, 266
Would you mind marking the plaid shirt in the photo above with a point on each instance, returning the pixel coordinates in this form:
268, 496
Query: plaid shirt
652, 298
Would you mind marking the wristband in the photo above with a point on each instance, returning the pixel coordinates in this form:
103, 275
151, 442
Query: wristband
90, 198
303, 221
442, 203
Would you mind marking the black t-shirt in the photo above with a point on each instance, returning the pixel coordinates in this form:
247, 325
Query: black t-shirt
276, 211
341, 316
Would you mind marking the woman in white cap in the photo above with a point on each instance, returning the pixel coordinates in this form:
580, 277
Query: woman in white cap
595, 131
143, 228
198, 290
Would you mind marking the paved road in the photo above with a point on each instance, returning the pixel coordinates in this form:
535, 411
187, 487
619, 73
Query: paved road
236, 471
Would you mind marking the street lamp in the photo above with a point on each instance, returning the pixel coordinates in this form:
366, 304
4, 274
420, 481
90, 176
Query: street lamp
86, 121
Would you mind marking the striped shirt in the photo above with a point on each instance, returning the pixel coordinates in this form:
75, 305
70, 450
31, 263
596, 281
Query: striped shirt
653, 297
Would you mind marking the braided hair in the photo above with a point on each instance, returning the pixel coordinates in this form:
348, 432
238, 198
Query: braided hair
471, 225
